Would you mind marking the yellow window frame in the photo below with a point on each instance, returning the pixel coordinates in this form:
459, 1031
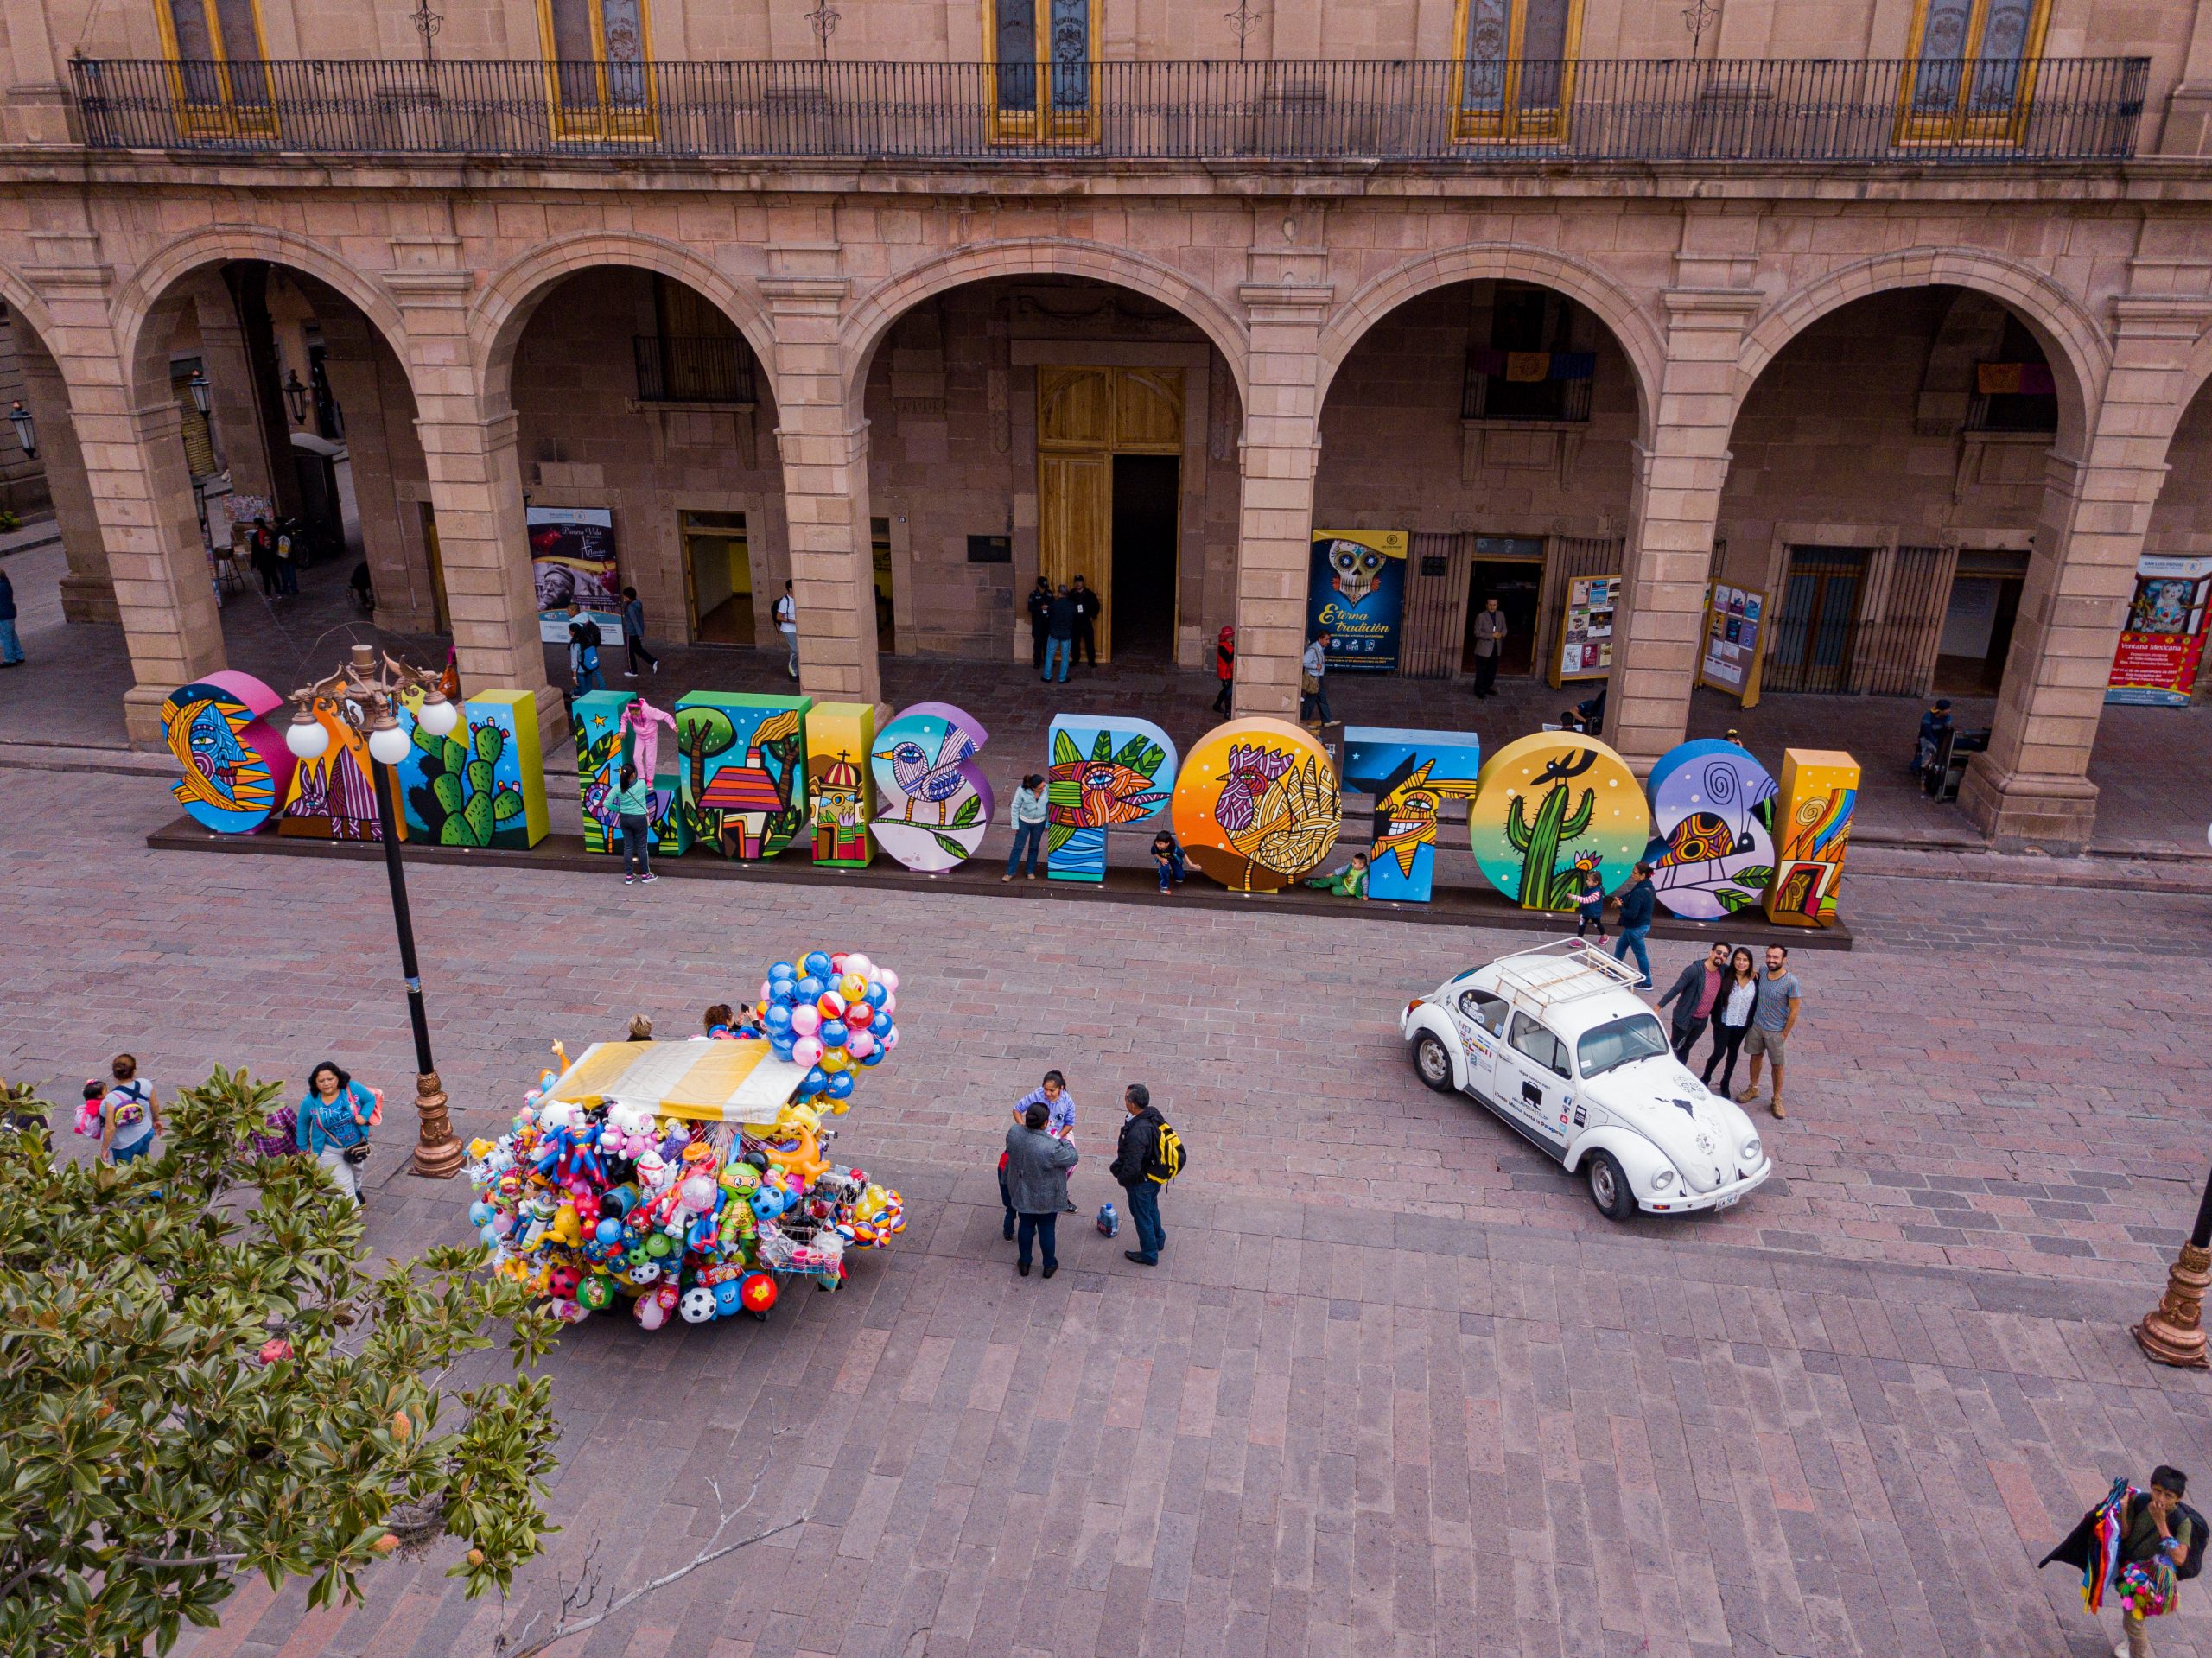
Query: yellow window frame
1960, 122
604, 120
1046, 124
1512, 122
225, 116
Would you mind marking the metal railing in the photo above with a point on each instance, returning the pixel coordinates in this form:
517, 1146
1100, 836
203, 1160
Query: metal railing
1498, 397
693, 368
1483, 112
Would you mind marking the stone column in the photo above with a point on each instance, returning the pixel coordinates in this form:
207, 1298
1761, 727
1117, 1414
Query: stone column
371, 387
87, 588
233, 413
133, 457
1276, 461
475, 482
1675, 499
823, 442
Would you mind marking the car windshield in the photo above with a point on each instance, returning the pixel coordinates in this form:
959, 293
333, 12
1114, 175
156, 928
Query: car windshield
1637, 1037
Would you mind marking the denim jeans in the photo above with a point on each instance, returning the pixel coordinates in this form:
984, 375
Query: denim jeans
1029, 842
1064, 650
587, 679
288, 577
1144, 1215
11, 648
1045, 1228
1006, 1199
1171, 869
637, 840
1632, 938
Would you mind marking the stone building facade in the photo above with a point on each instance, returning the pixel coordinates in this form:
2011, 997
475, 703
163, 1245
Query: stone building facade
908, 381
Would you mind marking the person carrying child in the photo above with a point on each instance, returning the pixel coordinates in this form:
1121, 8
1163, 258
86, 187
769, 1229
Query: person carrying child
130, 1116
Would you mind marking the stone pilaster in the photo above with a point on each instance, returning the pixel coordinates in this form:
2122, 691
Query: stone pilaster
371, 388
823, 442
87, 590
1277, 459
1680, 473
233, 413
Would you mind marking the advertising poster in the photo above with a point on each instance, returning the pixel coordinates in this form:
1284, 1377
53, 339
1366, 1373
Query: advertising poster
572, 562
2162, 639
1586, 640
1729, 661
1357, 590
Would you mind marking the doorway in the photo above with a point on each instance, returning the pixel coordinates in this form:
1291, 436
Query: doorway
1816, 628
878, 547
1978, 622
438, 612
1510, 569
1147, 497
717, 577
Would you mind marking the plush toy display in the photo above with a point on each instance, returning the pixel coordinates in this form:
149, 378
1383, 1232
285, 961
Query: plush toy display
592, 1203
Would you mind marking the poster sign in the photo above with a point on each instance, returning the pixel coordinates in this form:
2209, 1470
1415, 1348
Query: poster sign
1735, 618
2162, 639
1357, 590
1585, 639
572, 562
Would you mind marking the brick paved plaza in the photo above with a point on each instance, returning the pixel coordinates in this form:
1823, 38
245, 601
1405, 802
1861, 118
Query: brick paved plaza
1397, 1389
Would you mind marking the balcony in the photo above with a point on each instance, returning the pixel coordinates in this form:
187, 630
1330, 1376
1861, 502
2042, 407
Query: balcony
694, 369
1478, 113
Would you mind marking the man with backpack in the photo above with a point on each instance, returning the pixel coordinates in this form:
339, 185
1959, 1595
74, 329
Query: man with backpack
2139, 1546
1150, 1154
583, 651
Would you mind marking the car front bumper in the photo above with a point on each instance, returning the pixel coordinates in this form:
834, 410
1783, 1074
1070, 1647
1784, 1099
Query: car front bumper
1718, 1197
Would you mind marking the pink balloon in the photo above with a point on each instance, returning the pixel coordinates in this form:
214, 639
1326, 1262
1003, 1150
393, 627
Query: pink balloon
890, 1003
858, 963
891, 1038
807, 1050
764, 996
860, 1044
805, 1020
886, 977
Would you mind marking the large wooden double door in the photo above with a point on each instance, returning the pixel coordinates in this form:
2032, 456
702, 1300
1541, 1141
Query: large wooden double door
1085, 417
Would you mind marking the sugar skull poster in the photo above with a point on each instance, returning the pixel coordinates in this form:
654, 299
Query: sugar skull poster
1553, 805
1712, 852
1356, 593
1409, 775
234, 768
933, 801
1255, 805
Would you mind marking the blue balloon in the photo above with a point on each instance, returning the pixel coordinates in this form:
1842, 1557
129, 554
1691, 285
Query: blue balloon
778, 1018
841, 1085
817, 1080
610, 1229
817, 963
874, 1057
810, 988
479, 1212
877, 996
832, 1033
782, 970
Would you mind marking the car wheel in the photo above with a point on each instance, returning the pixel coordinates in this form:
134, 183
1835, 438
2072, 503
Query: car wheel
1609, 1187
1434, 1064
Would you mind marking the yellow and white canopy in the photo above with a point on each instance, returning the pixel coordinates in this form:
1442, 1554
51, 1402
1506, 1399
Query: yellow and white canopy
704, 1082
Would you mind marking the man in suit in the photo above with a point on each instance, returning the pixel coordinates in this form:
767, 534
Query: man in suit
1694, 994
1088, 609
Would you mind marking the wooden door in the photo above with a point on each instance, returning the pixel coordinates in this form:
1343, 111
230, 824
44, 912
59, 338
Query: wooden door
1076, 526
1085, 417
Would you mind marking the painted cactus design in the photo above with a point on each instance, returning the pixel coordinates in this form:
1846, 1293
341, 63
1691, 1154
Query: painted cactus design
1544, 886
470, 806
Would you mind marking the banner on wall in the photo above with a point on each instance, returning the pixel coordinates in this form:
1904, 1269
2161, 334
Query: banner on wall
572, 562
1357, 590
2163, 640
1586, 636
1734, 620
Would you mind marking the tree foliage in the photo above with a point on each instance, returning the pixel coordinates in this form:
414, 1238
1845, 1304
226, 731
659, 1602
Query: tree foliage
199, 1380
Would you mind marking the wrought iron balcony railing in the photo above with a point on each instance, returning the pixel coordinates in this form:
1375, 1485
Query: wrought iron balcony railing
693, 368
1476, 112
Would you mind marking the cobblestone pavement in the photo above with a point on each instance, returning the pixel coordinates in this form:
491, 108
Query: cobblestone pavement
2154, 765
1397, 1389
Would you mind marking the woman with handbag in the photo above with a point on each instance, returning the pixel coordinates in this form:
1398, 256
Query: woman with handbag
333, 1126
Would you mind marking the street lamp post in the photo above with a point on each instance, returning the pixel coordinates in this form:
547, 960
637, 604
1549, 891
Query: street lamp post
2173, 1333
364, 695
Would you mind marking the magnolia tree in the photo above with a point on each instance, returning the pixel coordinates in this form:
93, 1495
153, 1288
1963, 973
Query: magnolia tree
199, 1381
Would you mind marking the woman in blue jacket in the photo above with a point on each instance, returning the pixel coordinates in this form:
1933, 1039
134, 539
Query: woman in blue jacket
333, 1126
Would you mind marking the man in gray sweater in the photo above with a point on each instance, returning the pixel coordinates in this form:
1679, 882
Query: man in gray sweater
1037, 1164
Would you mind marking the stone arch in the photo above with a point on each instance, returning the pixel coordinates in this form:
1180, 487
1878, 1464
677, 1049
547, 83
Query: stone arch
2075, 347
153, 289
2195, 371
1630, 325
24, 301
871, 317
503, 310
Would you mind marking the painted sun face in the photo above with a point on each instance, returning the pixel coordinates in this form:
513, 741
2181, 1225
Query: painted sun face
1355, 568
216, 751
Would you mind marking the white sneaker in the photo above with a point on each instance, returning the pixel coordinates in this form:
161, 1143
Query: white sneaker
2121, 1651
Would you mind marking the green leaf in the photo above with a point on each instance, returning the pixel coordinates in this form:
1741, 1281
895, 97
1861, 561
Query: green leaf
1757, 878
1063, 749
953, 848
968, 811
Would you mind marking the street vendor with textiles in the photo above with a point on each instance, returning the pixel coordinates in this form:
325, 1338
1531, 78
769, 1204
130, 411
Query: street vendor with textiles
2140, 1545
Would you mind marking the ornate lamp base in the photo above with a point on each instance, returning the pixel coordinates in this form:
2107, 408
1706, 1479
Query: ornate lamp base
2175, 1333
438, 1154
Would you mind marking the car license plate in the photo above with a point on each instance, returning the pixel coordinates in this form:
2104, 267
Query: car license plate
1728, 1202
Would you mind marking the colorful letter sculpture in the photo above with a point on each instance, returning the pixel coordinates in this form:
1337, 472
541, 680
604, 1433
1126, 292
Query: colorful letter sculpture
1255, 805
744, 770
1410, 774
839, 737
936, 802
601, 750
1552, 805
1106, 772
330, 798
1712, 852
235, 768
484, 785
1812, 826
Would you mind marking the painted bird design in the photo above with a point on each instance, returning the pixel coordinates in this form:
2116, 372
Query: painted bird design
1287, 813
1106, 794
1248, 771
919, 778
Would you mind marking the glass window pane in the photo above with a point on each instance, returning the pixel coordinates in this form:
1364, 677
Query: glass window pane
1489, 33
242, 44
1016, 54
624, 49
1943, 44
1070, 25
195, 47
572, 47
1543, 51
2004, 44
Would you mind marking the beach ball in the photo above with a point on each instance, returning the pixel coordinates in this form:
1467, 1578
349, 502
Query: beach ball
757, 1292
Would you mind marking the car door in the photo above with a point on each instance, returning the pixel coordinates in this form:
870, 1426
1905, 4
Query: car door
1480, 1016
1534, 1079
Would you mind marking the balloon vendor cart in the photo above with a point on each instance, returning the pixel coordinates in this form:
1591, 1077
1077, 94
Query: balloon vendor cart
686, 1178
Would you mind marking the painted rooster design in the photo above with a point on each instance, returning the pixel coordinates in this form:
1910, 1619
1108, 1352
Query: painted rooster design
939, 781
1280, 816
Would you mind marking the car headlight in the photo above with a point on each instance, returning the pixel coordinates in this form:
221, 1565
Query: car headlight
1663, 1180
1751, 1149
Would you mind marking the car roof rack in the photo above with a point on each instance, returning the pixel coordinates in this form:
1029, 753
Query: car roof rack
1565, 970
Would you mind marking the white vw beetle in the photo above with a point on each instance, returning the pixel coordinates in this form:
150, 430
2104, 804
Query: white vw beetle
1554, 1041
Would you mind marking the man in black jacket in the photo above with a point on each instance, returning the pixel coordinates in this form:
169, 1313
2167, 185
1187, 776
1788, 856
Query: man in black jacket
1694, 994
1088, 609
1134, 1157
1060, 622
1636, 906
1040, 608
